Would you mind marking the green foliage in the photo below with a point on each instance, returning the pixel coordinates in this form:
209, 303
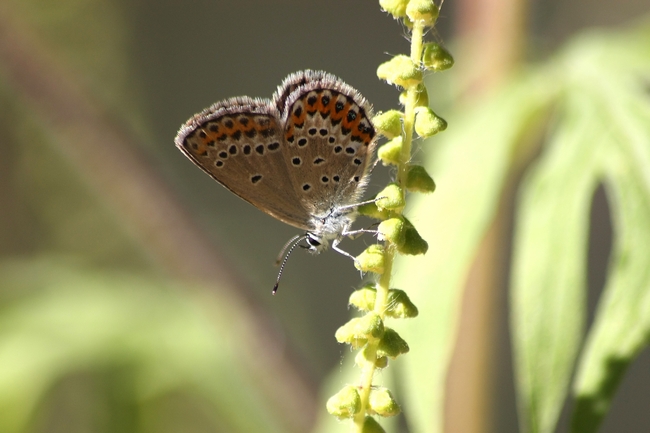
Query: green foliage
160, 344
602, 135
586, 115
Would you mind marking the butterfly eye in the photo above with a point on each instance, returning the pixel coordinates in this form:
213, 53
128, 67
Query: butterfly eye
313, 242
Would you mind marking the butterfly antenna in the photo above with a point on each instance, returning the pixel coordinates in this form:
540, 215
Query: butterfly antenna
291, 245
280, 256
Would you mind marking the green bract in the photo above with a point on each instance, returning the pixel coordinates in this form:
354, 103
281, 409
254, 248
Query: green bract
427, 123
418, 180
391, 344
413, 243
436, 58
372, 426
399, 305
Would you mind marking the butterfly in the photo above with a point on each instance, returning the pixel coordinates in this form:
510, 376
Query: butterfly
303, 157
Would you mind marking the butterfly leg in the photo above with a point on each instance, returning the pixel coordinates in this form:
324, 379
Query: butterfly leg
335, 247
354, 233
356, 205
345, 253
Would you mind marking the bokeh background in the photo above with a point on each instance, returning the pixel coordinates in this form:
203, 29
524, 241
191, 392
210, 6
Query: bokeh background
127, 276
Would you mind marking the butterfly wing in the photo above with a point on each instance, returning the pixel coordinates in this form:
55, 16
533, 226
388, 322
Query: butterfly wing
330, 140
239, 143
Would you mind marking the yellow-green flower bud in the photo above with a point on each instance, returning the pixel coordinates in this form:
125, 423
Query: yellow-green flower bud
393, 230
359, 329
390, 152
422, 96
371, 426
389, 123
364, 298
381, 402
345, 403
397, 8
391, 198
413, 243
371, 260
436, 58
423, 10
418, 180
348, 334
427, 123
399, 305
400, 70
391, 344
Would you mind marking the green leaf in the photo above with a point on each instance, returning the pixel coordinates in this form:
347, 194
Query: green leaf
602, 134
621, 326
549, 268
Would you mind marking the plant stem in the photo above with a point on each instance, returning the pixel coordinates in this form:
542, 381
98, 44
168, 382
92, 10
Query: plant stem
368, 369
383, 285
409, 109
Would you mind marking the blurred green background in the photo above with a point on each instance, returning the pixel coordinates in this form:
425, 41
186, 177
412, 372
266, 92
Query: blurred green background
135, 292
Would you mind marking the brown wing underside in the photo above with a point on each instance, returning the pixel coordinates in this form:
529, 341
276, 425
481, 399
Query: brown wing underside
243, 152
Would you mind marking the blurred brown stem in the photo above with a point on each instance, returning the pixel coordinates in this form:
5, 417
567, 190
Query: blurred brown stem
492, 36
